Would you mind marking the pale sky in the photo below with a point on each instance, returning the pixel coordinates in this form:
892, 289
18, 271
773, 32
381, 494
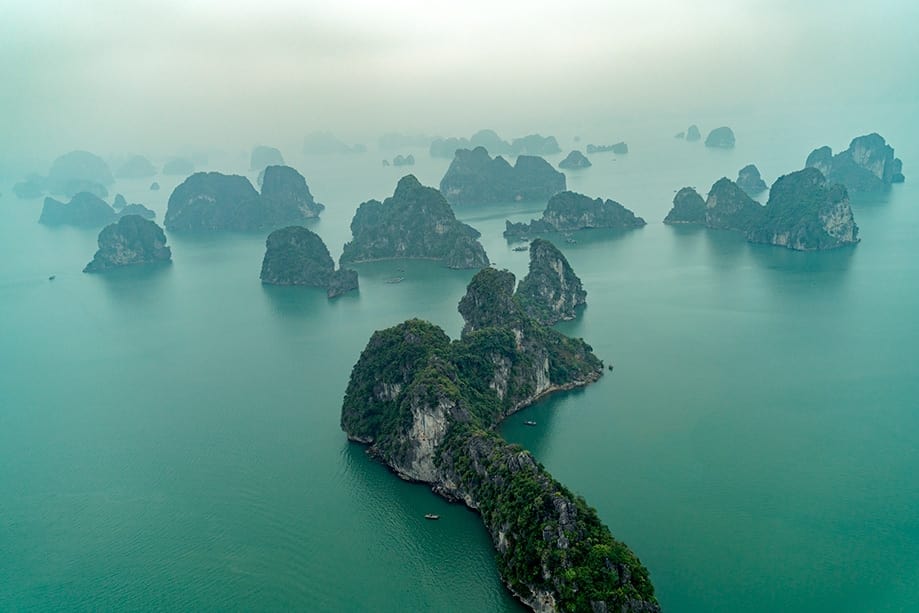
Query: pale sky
139, 75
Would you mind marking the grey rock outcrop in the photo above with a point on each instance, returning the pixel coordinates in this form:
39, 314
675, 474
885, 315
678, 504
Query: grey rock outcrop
550, 292
575, 159
132, 241
868, 164
750, 181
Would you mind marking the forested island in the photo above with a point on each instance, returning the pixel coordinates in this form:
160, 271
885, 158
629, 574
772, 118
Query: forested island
570, 211
474, 177
804, 212
428, 408
415, 222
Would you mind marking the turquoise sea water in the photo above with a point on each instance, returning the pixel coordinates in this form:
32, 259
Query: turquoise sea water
169, 437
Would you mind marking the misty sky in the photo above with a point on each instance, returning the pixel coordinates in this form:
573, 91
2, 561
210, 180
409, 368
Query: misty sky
151, 75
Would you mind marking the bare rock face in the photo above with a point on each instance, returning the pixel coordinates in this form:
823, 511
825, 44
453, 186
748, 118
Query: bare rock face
132, 241
806, 213
286, 196
750, 181
550, 292
688, 208
868, 164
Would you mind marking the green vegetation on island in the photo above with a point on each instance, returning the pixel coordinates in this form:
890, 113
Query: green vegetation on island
868, 164
428, 406
474, 177
132, 241
570, 211
415, 222
297, 256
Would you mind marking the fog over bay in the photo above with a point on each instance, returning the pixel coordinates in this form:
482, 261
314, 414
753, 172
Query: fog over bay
151, 76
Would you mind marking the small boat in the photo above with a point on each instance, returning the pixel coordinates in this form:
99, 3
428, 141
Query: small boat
431, 516
52, 277
529, 423
395, 280
521, 249
570, 241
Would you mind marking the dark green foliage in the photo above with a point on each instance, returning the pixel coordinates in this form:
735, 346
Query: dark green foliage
416, 222
474, 177
688, 208
286, 196
805, 213
868, 164
131, 241
569, 211
387, 364
296, 256
729, 208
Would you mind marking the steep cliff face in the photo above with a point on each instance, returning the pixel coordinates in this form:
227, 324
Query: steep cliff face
688, 208
729, 208
575, 159
550, 292
416, 222
569, 211
868, 164
132, 241
297, 256
429, 407
806, 214
286, 197
211, 201
84, 209
474, 177
750, 181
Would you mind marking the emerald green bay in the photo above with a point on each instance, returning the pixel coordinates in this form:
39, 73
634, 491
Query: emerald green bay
170, 439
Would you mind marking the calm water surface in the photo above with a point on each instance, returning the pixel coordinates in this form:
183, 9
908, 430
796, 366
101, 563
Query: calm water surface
169, 437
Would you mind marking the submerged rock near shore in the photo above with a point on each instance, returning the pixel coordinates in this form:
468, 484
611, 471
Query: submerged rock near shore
806, 213
868, 164
297, 256
550, 292
132, 241
428, 406
415, 222
474, 177
569, 211
211, 201
575, 159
